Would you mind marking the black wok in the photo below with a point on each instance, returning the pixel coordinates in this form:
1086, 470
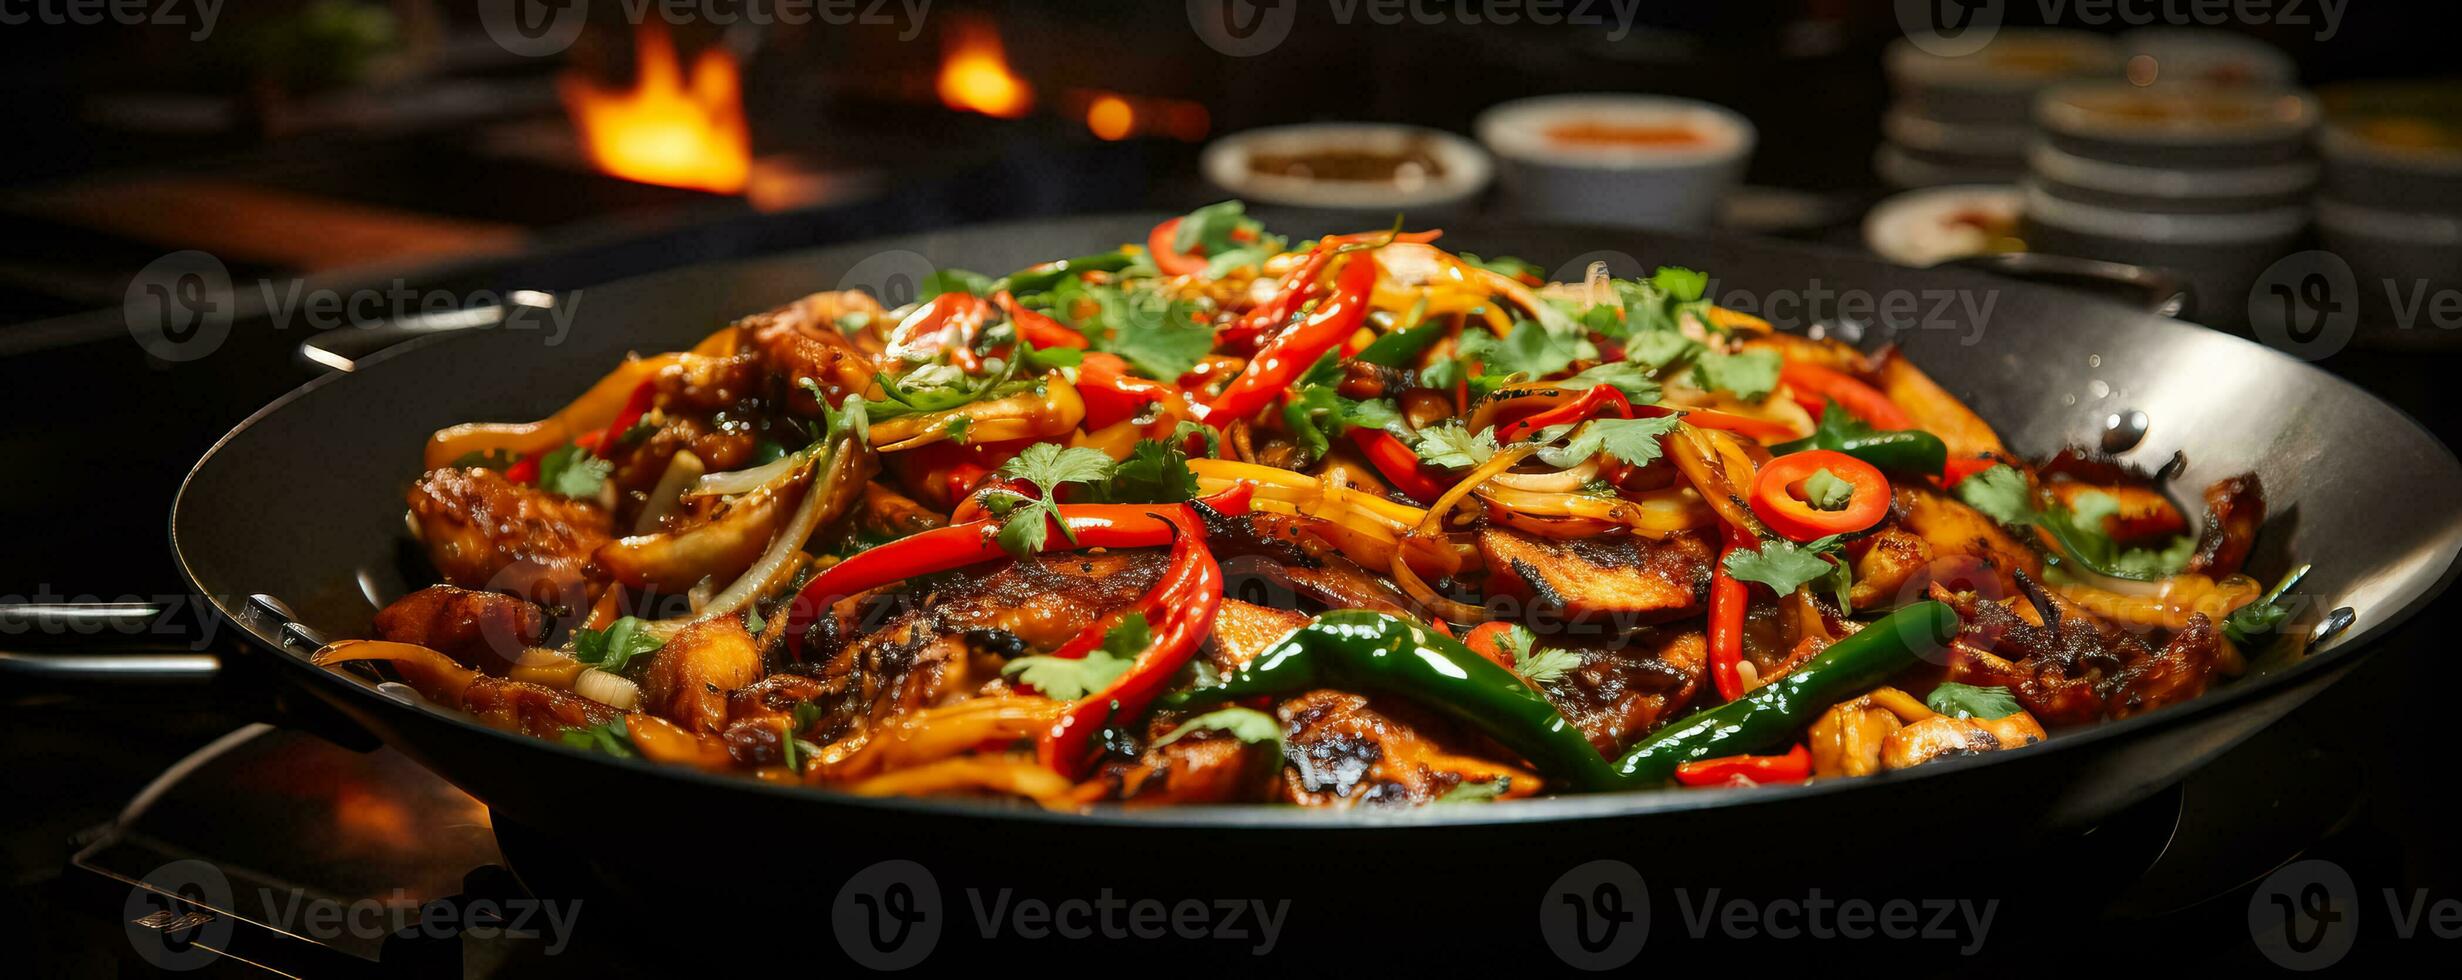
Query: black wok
302, 503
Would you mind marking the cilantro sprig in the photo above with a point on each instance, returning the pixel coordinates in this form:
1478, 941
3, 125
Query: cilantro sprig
614, 648
1026, 521
1068, 679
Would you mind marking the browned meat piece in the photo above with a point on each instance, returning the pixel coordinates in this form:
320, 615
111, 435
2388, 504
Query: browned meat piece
1617, 696
1847, 739
1204, 766
531, 708
689, 678
2074, 668
893, 514
483, 531
2179, 673
2143, 512
487, 630
1978, 550
1943, 737
1635, 578
1890, 565
1343, 753
802, 340
1273, 558
757, 715
2235, 509
1241, 631
955, 639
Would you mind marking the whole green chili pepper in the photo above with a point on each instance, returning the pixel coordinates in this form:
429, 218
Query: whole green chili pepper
1040, 278
1402, 347
1908, 451
1771, 712
1355, 649
1360, 650
1905, 451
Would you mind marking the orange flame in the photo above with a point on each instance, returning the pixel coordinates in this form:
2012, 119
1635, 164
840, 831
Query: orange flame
975, 75
668, 128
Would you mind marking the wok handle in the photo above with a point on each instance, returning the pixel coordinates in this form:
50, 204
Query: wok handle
2156, 290
344, 351
128, 635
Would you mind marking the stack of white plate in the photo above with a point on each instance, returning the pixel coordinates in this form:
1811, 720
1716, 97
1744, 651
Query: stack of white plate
2209, 180
2392, 207
1962, 118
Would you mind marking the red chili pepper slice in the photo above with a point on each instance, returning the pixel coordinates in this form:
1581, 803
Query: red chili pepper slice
974, 542
1588, 404
1398, 464
1793, 767
1484, 640
636, 405
523, 470
1167, 258
1293, 351
1774, 497
1961, 467
1814, 384
949, 322
1040, 330
1112, 394
1180, 612
1728, 598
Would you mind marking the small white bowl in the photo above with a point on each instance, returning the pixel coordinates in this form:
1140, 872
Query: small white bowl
1568, 158
1461, 169
1932, 226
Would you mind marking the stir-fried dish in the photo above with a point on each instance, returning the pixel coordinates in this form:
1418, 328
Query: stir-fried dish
1223, 517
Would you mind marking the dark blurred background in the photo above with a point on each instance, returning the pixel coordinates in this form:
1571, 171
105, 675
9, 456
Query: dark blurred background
349, 144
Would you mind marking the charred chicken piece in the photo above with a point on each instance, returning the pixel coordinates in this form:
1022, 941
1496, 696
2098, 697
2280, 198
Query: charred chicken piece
483, 531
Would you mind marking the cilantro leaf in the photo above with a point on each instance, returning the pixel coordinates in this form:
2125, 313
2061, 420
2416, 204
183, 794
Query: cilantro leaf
1632, 379
1154, 473
1825, 491
1530, 349
1967, 701
1662, 350
1066, 679
1783, 565
1681, 284
2001, 494
1313, 414
1159, 336
940, 281
613, 648
1751, 375
1213, 229
1246, 724
573, 471
2261, 618
1454, 447
1634, 441
611, 738
1546, 666
1024, 528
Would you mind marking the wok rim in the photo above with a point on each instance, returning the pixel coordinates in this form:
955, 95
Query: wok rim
2346, 649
